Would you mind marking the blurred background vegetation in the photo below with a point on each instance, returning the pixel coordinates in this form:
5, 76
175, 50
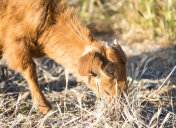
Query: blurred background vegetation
131, 20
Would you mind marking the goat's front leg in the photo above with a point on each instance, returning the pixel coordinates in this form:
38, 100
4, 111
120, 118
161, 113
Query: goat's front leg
38, 97
22, 62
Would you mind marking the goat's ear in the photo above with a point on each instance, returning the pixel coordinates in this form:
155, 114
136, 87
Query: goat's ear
89, 64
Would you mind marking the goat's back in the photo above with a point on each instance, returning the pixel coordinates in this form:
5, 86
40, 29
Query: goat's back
27, 19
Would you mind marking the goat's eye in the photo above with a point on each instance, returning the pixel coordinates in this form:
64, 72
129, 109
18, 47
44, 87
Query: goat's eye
110, 72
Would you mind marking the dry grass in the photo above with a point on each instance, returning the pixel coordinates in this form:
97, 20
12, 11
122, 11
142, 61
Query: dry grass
78, 107
75, 105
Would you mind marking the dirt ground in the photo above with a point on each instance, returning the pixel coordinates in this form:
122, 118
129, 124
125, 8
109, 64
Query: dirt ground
157, 59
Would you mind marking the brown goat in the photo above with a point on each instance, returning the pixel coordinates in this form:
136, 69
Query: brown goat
36, 28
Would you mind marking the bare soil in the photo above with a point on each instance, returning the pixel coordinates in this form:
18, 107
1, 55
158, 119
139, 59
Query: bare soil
158, 60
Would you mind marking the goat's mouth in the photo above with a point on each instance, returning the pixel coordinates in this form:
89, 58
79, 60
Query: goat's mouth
107, 92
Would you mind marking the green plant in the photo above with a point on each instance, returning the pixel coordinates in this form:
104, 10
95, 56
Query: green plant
144, 19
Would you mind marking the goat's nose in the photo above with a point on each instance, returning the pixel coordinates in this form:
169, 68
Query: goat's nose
123, 85
126, 83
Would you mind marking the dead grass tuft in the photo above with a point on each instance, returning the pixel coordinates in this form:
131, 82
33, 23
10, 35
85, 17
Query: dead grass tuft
78, 107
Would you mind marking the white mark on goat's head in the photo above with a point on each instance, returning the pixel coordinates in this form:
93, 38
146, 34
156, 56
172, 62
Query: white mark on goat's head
89, 49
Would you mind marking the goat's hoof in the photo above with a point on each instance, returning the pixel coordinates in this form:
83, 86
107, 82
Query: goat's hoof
44, 109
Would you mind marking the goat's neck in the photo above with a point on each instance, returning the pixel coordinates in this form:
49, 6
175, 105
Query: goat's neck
65, 47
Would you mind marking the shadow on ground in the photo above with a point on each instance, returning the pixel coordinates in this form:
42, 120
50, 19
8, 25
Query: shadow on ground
157, 65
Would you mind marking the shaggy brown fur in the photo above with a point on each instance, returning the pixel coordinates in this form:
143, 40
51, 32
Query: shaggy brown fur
35, 28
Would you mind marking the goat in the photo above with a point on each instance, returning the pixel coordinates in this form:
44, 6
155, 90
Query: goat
37, 28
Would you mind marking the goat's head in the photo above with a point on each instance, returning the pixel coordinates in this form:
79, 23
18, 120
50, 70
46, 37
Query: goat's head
106, 70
